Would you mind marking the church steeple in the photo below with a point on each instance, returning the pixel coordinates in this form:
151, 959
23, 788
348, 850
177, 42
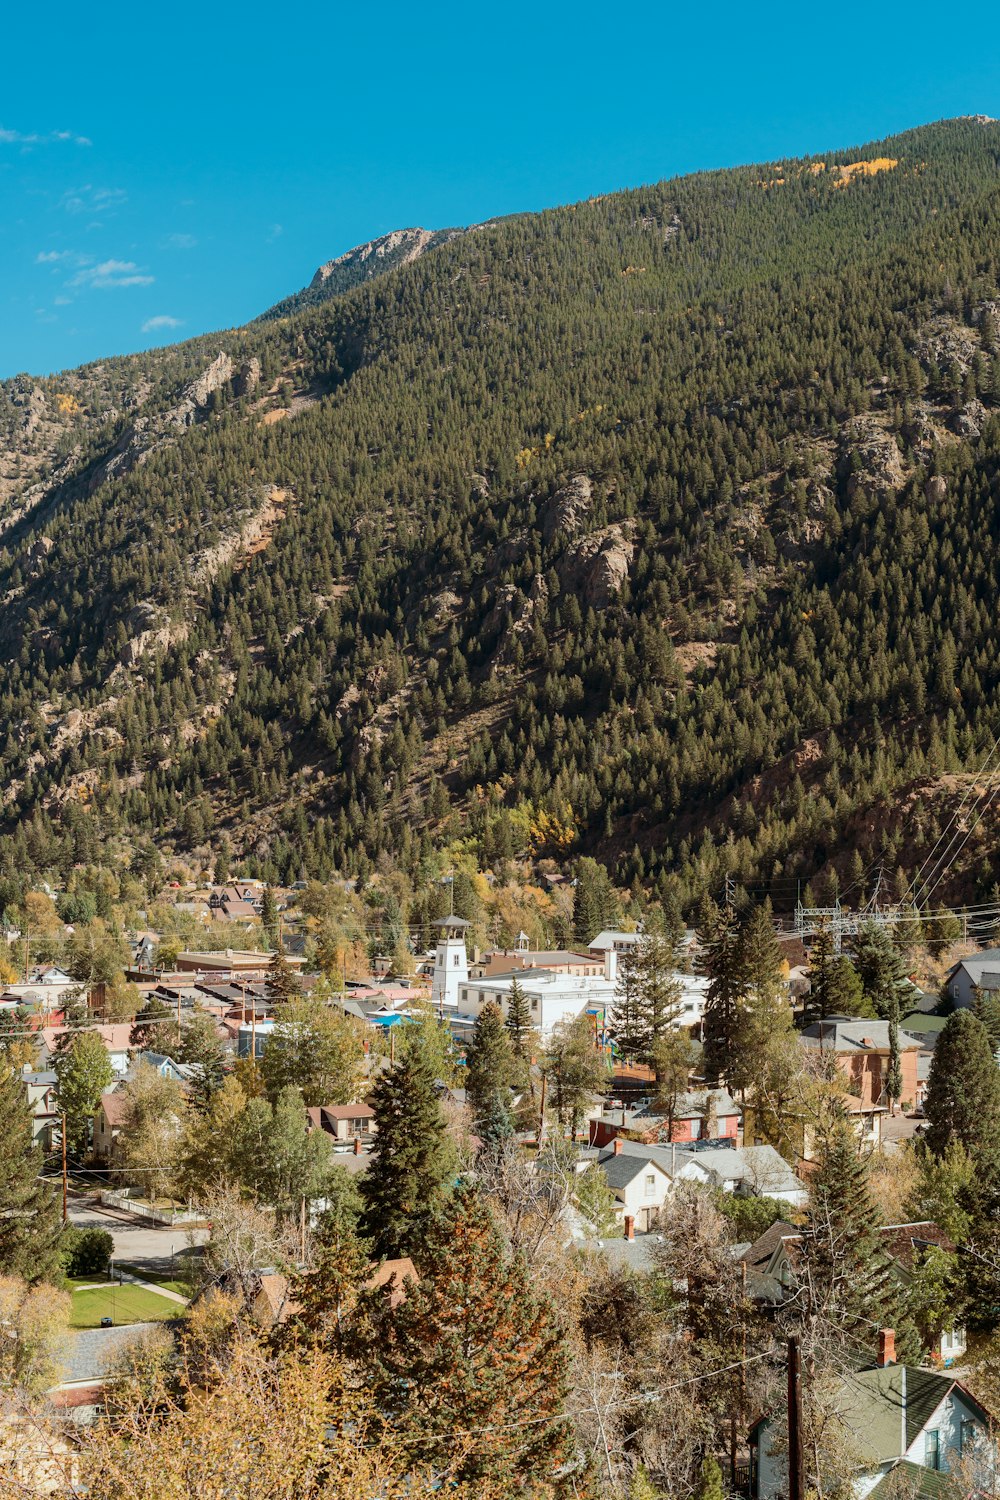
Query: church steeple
451, 962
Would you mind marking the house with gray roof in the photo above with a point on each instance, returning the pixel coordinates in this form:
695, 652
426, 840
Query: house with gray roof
980, 971
893, 1420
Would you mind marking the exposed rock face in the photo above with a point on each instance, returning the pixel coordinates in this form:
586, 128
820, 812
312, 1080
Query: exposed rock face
402, 245
598, 565
32, 403
936, 488
196, 396
247, 378
38, 552
568, 508
969, 423
145, 433
872, 457
514, 612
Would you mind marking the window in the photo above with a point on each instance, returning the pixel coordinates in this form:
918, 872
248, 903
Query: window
966, 1435
651, 1185
932, 1450
458, 959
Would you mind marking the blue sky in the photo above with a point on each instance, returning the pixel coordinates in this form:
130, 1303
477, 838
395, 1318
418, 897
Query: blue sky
161, 178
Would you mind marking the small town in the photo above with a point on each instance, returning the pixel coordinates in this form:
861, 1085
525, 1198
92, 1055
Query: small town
500, 753
610, 1202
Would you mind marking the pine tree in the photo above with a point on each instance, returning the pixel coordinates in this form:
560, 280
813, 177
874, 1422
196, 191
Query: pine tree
849, 1285
405, 1186
327, 1292
489, 1072
627, 1020
594, 905
963, 1092
761, 977
835, 988
282, 982
880, 967
29, 1215
269, 920
519, 1026
719, 959
474, 1348
659, 995
986, 1008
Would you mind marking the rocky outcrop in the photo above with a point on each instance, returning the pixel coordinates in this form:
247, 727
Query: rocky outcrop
936, 489
597, 566
146, 434
513, 613
870, 457
247, 378
148, 631
196, 396
37, 553
31, 403
401, 246
968, 423
568, 508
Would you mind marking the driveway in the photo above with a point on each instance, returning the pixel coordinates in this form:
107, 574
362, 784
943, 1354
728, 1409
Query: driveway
136, 1242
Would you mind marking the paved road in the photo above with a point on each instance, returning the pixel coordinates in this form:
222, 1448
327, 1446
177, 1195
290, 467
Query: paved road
136, 1242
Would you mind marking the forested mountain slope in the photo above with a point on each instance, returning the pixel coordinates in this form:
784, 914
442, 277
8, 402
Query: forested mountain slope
662, 526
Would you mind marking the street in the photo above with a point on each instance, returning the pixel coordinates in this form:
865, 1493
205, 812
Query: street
137, 1243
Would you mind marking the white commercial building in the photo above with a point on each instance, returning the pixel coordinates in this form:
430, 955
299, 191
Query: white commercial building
551, 997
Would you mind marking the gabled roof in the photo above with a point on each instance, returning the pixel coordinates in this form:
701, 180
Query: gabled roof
758, 1255
625, 1167
890, 1406
115, 1107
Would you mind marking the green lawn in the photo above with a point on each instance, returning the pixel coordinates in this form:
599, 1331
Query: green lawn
126, 1304
156, 1278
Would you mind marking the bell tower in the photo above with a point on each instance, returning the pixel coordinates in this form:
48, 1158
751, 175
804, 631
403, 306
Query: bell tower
451, 962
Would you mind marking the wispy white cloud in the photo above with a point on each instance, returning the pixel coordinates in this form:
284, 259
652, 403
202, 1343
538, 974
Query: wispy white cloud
55, 257
181, 241
93, 200
108, 273
276, 231
162, 320
42, 138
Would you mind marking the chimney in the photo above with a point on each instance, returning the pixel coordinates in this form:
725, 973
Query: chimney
357, 1145
611, 965
886, 1347
629, 1227
616, 1145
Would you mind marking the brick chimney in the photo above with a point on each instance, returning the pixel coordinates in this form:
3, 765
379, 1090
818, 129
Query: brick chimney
629, 1227
886, 1347
357, 1145
616, 1145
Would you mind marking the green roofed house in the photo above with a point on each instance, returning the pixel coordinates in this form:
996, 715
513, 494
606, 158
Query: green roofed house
905, 1431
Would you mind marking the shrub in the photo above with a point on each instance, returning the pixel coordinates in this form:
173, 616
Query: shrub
86, 1252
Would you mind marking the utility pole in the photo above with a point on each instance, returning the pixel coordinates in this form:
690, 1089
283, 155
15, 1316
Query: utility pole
65, 1211
541, 1112
796, 1486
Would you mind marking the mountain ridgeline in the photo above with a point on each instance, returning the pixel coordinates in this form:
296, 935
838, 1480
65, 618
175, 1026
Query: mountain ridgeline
661, 527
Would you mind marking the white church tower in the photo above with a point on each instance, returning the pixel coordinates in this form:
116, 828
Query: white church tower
451, 963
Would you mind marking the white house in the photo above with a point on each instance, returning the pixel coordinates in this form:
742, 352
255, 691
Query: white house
451, 962
640, 1184
896, 1420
